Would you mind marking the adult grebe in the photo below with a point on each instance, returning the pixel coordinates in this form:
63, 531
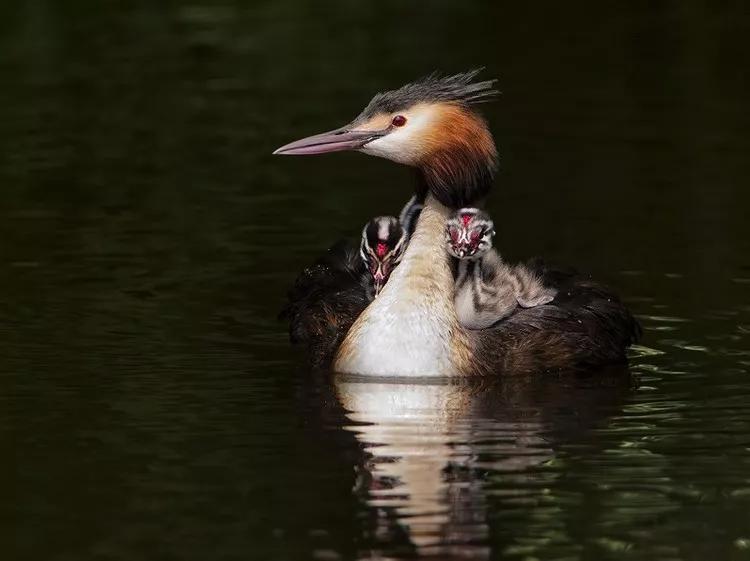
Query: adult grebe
411, 329
487, 289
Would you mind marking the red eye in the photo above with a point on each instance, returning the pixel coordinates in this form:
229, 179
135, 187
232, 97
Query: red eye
475, 235
398, 121
453, 234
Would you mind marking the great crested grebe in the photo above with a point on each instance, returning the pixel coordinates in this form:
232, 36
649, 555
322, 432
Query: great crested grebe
487, 289
411, 328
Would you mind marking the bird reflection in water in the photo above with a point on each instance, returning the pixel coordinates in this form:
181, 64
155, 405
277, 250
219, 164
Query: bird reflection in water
433, 446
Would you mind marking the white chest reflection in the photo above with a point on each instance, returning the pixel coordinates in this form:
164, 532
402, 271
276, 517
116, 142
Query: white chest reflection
428, 443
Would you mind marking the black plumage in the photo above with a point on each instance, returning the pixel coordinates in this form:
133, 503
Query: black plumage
434, 88
325, 300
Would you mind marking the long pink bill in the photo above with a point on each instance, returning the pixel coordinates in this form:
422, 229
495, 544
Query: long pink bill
331, 141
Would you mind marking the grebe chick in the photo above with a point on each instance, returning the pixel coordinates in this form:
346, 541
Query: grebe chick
383, 245
487, 289
384, 241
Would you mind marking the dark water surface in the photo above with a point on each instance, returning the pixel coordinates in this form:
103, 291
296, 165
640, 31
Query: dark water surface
150, 405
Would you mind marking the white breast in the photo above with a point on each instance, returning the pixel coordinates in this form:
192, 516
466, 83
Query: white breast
400, 338
409, 329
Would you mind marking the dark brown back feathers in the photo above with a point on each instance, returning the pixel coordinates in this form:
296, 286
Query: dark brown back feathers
324, 302
585, 327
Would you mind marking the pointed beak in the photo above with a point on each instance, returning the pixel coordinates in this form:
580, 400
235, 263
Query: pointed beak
380, 276
331, 141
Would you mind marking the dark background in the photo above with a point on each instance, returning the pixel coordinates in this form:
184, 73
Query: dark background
150, 406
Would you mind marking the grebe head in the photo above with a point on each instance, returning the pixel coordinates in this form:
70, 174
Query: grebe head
431, 124
383, 244
468, 233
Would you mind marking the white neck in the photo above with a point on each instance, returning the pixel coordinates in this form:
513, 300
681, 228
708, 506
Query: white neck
411, 329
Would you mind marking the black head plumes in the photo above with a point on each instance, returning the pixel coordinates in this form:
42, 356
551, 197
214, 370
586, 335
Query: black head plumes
434, 88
